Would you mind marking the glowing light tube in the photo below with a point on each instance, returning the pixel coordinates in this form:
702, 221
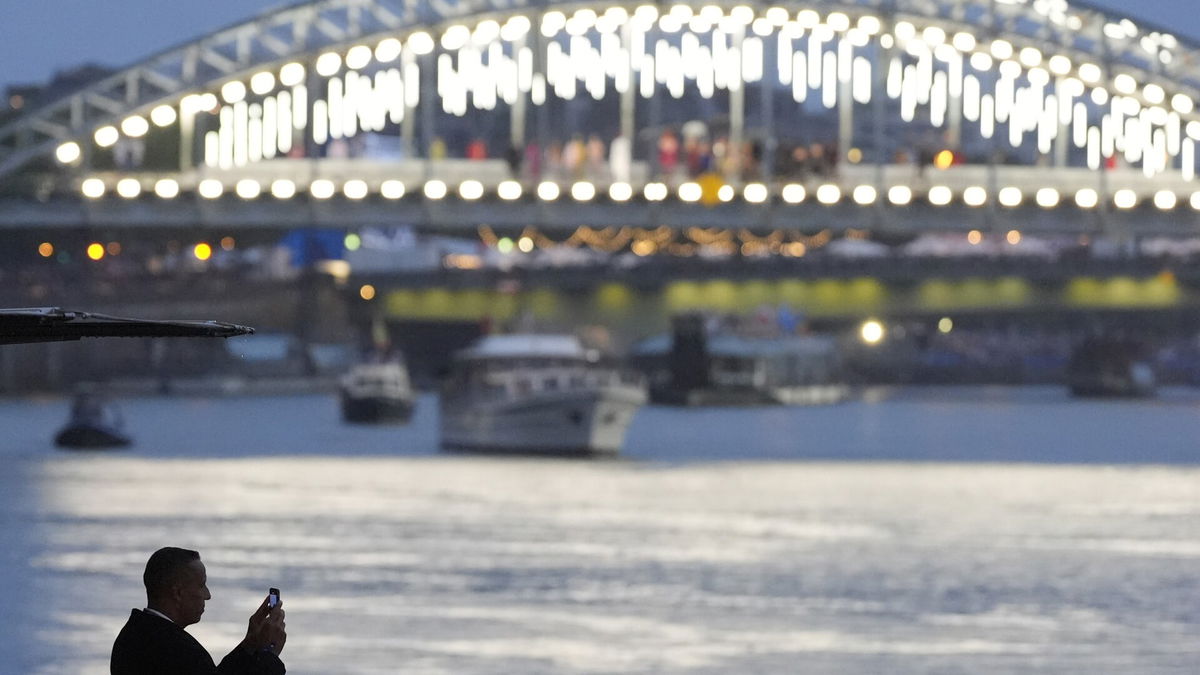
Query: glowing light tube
226, 131
1094, 148
829, 81
784, 58
350, 104
814, 61
908, 94
412, 90
212, 149
254, 135
1079, 125
283, 130
987, 116
862, 80
320, 125
938, 102
269, 126
895, 79
241, 123
299, 107
970, 100
800, 81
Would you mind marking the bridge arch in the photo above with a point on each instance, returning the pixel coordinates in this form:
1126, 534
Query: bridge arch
1034, 83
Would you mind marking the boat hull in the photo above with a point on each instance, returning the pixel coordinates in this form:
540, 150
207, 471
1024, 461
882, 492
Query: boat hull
562, 424
376, 410
801, 395
90, 437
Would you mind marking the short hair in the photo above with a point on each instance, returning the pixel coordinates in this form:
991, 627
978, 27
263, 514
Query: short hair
164, 568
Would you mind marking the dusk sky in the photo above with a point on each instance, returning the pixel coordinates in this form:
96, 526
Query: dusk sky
37, 38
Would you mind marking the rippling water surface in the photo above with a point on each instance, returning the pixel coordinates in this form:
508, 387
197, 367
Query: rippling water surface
973, 531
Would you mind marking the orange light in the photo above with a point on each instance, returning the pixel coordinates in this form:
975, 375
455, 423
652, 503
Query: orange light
95, 250
974, 237
944, 159
367, 292
227, 243
1014, 237
114, 248
643, 247
45, 249
202, 251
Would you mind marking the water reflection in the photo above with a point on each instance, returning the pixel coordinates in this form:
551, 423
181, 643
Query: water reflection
393, 558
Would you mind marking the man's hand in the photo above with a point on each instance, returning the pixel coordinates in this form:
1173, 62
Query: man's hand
266, 629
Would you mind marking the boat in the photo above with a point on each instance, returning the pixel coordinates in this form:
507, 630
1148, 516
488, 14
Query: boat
1110, 366
699, 366
376, 393
94, 424
537, 394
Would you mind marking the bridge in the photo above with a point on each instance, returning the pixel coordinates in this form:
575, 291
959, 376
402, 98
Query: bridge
873, 115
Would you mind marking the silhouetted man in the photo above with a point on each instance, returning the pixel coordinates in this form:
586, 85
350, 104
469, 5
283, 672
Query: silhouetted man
154, 642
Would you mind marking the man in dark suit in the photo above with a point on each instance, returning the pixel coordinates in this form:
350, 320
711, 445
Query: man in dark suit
154, 642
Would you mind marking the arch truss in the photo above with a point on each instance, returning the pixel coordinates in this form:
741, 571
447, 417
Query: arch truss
1031, 82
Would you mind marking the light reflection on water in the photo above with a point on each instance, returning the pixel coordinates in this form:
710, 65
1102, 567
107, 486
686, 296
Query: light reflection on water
395, 559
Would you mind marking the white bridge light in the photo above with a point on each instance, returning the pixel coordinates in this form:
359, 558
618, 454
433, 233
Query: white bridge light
391, 189
68, 152
690, 191
548, 191
248, 188
210, 188
107, 136
793, 193
509, 190
321, 188
620, 192
900, 195
163, 115
434, 189
166, 188
283, 189
355, 189
135, 126
583, 191
470, 190
92, 188
129, 187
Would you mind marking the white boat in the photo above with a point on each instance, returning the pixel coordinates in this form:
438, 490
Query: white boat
377, 392
537, 395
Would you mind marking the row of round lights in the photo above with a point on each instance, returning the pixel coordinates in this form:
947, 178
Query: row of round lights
583, 191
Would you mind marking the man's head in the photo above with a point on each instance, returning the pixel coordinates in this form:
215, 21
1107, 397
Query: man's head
176, 584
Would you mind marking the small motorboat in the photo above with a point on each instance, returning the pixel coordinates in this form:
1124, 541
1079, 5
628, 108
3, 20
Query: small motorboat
94, 424
377, 393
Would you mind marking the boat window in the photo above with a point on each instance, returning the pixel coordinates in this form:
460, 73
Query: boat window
550, 384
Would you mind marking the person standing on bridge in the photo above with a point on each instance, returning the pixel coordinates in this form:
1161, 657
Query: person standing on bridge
154, 642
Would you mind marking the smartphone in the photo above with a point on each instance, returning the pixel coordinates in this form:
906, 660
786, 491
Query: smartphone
272, 598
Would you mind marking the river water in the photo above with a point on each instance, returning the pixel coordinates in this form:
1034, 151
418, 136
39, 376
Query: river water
912, 531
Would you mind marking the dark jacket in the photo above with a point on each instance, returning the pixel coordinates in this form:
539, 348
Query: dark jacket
152, 645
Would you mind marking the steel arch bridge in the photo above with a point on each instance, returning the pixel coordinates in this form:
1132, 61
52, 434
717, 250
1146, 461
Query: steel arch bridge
1039, 115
